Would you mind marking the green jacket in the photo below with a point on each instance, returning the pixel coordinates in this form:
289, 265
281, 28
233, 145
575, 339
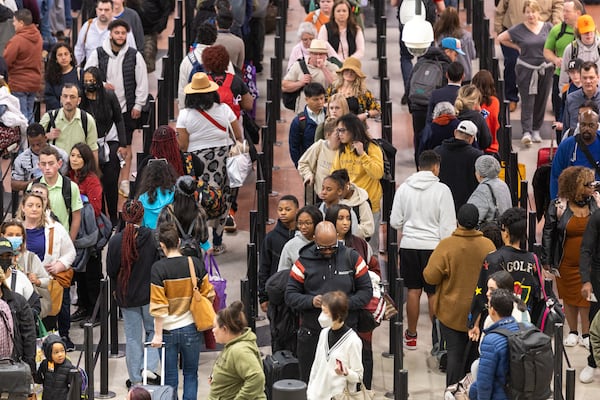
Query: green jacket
238, 371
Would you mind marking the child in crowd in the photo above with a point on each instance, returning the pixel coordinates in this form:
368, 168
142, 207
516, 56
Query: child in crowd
304, 125
54, 371
358, 200
332, 192
315, 163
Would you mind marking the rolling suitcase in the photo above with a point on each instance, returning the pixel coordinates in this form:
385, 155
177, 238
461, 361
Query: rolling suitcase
15, 375
546, 154
281, 365
162, 392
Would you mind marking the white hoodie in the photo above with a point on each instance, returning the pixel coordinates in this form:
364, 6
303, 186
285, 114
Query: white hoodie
423, 211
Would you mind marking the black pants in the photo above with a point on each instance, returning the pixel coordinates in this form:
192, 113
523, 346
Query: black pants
367, 357
306, 349
61, 321
255, 42
460, 355
110, 183
419, 117
88, 284
594, 308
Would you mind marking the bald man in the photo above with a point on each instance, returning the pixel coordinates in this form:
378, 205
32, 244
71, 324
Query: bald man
323, 266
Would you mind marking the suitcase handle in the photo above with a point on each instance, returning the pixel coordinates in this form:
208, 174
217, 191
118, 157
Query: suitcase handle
162, 364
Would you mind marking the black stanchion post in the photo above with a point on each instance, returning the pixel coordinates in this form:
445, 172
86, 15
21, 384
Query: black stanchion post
388, 114
74, 29
253, 226
146, 138
513, 177
505, 141
189, 20
469, 10
392, 288
276, 88
382, 69
476, 16
104, 392
88, 360
523, 187
403, 380
170, 75
114, 324
570, 384
263, 210
178, 50
245, 299
558, 361
531, 236
252, 274
152, 119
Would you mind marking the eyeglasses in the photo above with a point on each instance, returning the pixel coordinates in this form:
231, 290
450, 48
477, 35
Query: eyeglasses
304, 223
339, 131
591, 184
332, 247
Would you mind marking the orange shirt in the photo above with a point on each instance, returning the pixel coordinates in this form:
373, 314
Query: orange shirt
317, 18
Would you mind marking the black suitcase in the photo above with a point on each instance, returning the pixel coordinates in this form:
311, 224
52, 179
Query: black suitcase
281, 365
15, 380
162, 392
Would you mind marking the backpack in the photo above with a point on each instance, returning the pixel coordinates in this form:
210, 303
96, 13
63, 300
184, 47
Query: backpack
531, 363
66, 194
196, 66
575, 50
389, 153
226, 95
427, 75
188, 245
289, 99
93, 235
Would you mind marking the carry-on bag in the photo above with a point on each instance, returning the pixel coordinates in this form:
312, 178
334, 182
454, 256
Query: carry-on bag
281, 365
162, 392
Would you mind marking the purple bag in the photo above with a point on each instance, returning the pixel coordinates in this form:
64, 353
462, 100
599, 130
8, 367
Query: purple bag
215, 278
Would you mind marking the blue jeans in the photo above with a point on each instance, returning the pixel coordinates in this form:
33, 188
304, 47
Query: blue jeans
68, 16
184, 342
406, 65
135, 335
26, 101
45, 6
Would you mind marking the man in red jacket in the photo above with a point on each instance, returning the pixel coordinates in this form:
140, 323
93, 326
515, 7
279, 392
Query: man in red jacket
23, 55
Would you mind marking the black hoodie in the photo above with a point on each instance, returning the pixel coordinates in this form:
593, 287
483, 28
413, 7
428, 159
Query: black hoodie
55, 377
138, 287
270, 254
484, 138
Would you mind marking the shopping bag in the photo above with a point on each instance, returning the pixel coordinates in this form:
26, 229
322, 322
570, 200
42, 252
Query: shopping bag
214, 277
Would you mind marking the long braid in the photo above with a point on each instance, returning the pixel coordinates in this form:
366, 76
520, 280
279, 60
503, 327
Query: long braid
133, 212
164, 145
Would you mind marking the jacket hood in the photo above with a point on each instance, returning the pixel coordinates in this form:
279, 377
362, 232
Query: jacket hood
143, 234
108, 49
466, 232
437, 54
247, 338
467, 115
422, 180
162, 199
445, 119
311, 254
283, 231
454, 143
359, 196
48, 343
30, 33
500, 324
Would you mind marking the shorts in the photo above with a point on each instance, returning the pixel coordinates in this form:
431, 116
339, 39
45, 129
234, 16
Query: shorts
412, 264
130, 126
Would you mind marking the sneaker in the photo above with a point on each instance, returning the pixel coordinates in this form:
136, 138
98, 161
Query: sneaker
153, 379
124, 189
69, 345
95, 323
585, 342
536, 137
220, 249
526, 139
230, 225
80, 315
571, 340
410, 342
587, 374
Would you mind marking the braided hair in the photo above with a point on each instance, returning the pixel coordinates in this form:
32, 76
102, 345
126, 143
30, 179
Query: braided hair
164, 145
133, 212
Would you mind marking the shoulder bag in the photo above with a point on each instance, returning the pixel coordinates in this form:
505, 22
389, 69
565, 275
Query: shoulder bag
362, 394
200, 306
65, 277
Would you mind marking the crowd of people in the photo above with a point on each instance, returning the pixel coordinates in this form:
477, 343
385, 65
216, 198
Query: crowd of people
319, 267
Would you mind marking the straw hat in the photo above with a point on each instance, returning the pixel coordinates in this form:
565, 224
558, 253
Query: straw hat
353, 64
317, 46
200, 84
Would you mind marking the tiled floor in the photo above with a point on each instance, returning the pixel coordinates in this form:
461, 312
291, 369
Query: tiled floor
424, 382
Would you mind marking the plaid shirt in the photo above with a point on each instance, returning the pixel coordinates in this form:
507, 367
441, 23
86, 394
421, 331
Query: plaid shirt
6, 330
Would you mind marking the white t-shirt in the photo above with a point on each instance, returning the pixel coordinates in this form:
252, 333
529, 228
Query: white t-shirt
203, 133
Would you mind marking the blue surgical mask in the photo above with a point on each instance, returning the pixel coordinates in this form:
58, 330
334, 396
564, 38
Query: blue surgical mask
16, 242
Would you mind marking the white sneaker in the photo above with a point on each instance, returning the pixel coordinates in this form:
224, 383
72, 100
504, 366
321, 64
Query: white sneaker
536, 137
571, 340
526, 139
585, 342
587, 374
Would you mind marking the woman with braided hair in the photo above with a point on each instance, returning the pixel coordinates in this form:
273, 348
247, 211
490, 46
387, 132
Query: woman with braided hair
131, 254
164, 145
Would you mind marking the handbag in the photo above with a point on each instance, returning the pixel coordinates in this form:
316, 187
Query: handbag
362, 394
9, 136
460, 390
391, 310
65, 277
239, 164
217, 280
200, 306
16, 374
553, 312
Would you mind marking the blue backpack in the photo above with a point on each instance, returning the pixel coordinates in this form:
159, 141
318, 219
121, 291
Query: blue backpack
196, 65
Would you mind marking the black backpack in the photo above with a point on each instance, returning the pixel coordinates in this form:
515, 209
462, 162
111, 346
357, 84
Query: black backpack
531, 363
427, 75
188, 246
289, 99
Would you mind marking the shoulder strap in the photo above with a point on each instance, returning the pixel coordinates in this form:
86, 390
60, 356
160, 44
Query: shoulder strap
52, 122
492, 193
211, 119
84, 122
539, 273
574, 49
178, 224
193, 273
90, 21
192, 57
303, 65
13, 280
563, 30
50, 240
588, 154
66, 192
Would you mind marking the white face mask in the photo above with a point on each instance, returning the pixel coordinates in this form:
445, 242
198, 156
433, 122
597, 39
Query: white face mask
325, 320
